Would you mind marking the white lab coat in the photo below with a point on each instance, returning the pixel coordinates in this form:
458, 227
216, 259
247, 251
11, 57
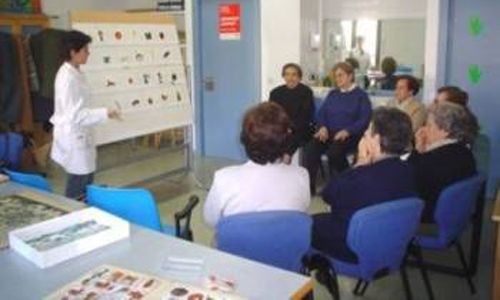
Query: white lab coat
73, 145
363, 60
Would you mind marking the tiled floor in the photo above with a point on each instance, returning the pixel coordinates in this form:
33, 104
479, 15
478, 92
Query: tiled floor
172, 193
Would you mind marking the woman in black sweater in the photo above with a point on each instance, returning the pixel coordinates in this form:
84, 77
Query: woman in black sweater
298, 102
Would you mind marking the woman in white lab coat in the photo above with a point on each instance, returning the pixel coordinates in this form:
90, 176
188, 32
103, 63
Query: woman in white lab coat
73, 147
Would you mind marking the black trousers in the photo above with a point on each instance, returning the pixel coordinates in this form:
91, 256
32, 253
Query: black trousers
337, 157
76, 185
329, 235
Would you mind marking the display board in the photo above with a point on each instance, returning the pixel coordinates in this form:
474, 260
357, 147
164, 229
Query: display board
135, 65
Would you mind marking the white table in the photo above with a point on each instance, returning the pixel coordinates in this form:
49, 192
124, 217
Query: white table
145, 251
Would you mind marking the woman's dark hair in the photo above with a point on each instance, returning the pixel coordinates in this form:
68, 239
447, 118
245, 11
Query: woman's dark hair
455, 94
297, 68
353, 62
73, 40
265, 132
394, 128
411, 82
388, 66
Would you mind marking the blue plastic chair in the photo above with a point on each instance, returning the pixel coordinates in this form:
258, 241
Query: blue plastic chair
32, 180
379, 235
318, 102
11, 149
138, 206
452, 215
277, 238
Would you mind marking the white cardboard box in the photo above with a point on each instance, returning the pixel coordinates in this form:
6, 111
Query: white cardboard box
119, 229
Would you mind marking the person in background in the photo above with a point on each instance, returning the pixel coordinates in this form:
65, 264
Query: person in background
264, 182
442, 156
342, 119
329, 80
379, 176
298, 102
388, 67
361, 56
360, 79
452, 94
406, 89
73, 146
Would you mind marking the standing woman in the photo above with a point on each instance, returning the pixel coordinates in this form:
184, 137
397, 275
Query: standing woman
297, 101
73, 147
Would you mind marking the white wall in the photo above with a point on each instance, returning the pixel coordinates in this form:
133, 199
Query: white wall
435, 45
280, 40
310, 16
59, 10
374, 9
404, 39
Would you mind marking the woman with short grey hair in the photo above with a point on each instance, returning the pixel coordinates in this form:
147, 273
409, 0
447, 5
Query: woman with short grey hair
455, 120
442, 155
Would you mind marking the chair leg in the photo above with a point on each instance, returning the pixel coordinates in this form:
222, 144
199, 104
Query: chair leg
363, 289
360, 288
325, 274
328, 278
357, 287
477, 224
423, 271
335, 285
406, 283
465, 267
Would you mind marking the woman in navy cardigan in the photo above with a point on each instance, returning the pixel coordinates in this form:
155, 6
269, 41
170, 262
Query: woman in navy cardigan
342, 119
379, 176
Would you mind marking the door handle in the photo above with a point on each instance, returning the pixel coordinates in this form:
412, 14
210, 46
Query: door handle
209, 83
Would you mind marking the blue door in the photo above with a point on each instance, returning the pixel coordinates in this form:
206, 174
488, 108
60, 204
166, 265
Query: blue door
228, 78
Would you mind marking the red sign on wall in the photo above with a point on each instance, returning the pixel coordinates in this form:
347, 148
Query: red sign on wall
229, 21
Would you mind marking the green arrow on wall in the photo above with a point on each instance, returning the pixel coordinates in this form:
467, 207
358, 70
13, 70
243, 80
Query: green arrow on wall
475, 25
475, 74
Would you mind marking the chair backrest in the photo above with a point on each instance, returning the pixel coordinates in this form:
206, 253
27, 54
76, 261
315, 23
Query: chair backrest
454, 208
134, 205
379, 235
32, 180
11, 149
318, 102
277, 238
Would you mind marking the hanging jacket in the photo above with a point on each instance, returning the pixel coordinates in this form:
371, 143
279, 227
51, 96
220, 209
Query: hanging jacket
10, 87
46, 49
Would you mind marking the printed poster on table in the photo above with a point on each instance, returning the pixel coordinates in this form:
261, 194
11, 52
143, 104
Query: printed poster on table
229, 21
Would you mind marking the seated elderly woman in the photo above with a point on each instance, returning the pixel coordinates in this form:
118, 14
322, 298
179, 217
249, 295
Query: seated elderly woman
342, 119
379, 176
265, 182
442, 156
